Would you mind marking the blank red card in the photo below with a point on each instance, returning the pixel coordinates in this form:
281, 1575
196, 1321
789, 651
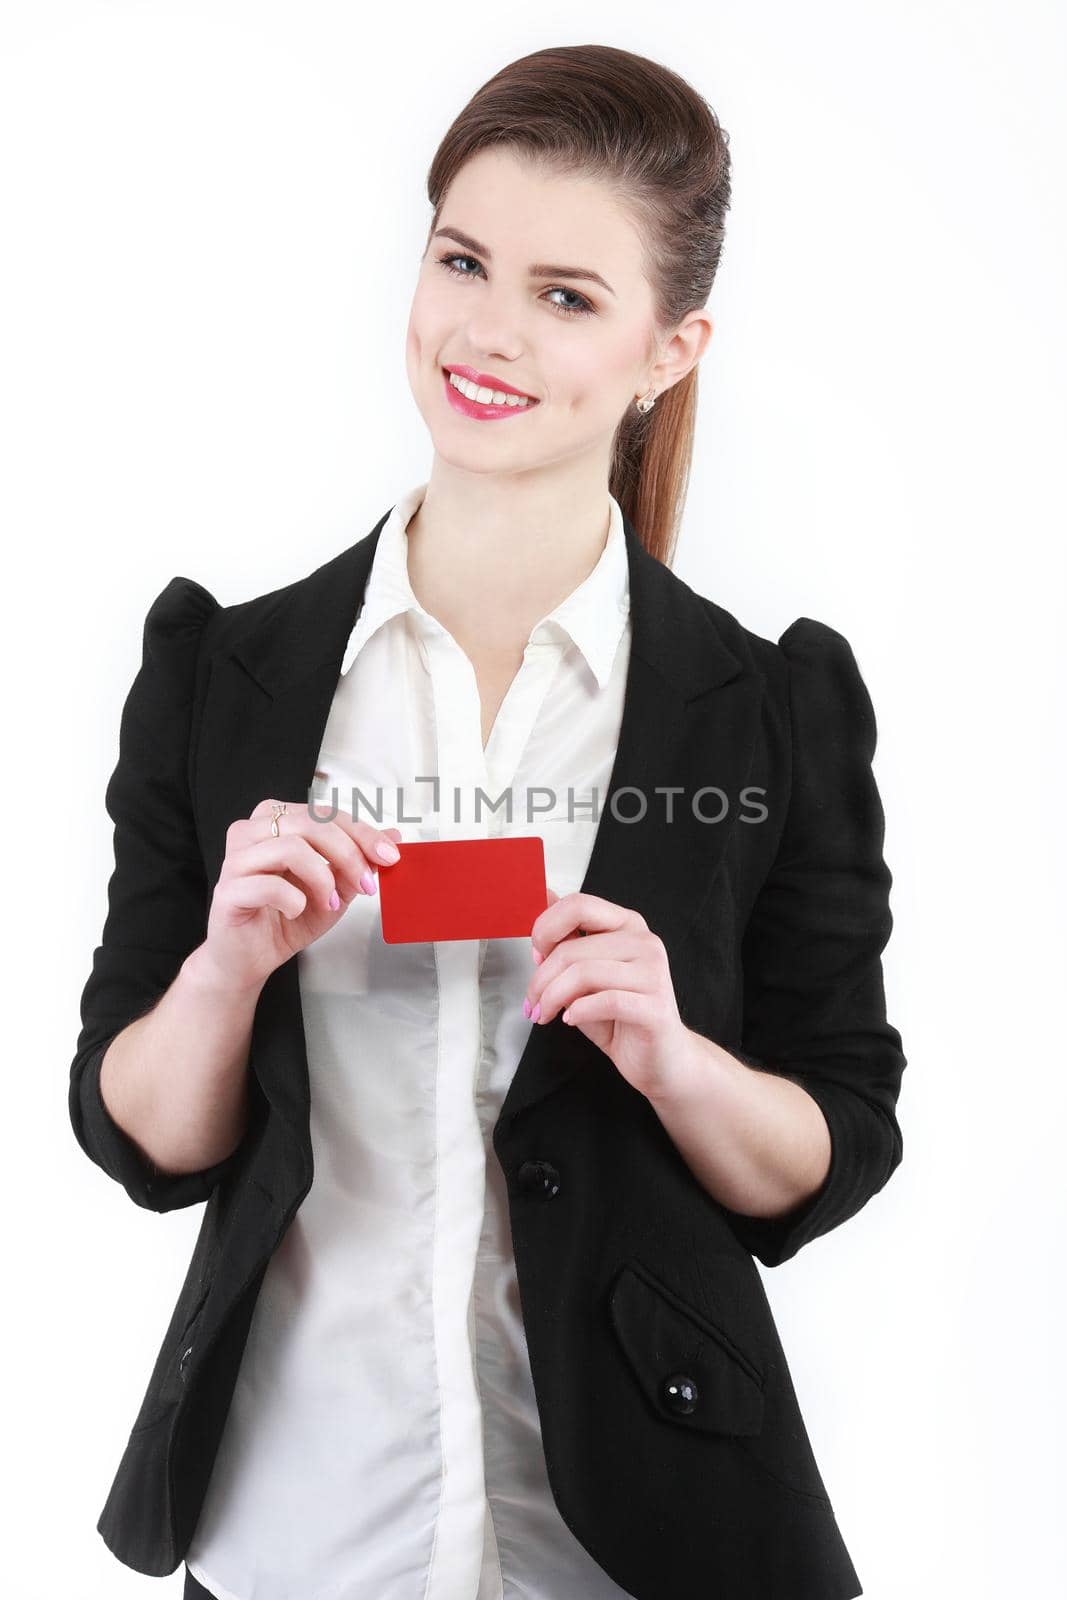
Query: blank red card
463, 889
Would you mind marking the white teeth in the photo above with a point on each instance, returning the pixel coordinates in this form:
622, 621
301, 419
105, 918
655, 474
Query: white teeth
486, 397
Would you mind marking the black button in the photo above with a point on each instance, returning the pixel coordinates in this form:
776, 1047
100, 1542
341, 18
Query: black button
539, 1178
679, 1393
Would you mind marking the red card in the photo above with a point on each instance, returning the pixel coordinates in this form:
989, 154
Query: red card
463, 889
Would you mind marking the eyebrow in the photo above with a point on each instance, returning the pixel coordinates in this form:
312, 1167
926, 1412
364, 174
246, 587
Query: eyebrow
539, 269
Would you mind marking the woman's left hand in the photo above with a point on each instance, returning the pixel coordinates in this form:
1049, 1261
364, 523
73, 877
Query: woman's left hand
602, 967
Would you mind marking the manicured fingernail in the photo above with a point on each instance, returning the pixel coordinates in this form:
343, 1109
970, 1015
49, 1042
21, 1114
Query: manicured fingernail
335, 901
536, 1012
526, 1008
538, 957
367, 883
385, 850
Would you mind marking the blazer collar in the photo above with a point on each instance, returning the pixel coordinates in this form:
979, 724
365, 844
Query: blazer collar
690, 719
307, 625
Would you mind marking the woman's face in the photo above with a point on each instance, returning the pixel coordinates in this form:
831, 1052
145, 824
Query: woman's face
492, 297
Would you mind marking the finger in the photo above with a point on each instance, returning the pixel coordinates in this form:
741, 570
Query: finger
350, 857
587, 977
241, 895
346, 843
537, 955
320, 876
588, 912
617, 945
376, 844
612, 1005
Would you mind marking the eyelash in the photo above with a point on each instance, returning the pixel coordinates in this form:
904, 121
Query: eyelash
584, 310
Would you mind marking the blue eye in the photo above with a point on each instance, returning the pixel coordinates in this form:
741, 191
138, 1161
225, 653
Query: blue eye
582, 309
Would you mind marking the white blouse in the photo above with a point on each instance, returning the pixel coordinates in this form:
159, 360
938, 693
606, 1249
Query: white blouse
383, 1442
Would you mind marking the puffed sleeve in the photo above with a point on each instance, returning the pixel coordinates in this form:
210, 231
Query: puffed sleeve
158, 894
814, 1000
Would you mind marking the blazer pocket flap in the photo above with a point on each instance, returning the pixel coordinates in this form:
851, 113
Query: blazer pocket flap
690, 1370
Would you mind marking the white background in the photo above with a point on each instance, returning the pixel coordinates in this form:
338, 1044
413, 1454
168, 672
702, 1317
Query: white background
212, 219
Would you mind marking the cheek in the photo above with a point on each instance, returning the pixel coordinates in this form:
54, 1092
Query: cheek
427, 336
414, 345
425, 313
597, 378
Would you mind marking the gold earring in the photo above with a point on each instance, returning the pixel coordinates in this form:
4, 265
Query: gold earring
646, 402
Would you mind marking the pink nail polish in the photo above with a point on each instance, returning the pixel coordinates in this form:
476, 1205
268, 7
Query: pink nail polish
526, 1008
536, 1012
367, 883
335, 901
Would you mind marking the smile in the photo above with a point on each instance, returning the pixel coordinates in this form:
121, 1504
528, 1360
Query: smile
475, 400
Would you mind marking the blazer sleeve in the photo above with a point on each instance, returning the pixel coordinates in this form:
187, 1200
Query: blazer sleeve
158, 894
814, 1001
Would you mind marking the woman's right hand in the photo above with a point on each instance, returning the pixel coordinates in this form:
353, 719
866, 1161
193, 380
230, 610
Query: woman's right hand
273, 895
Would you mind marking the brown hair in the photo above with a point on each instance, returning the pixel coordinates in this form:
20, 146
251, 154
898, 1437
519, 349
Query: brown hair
604, 113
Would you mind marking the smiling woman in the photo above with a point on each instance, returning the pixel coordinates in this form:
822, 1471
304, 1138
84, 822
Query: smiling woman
540, 254
475, 1309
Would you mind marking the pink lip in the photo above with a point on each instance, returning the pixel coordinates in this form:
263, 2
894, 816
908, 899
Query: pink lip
484, 380
471, 408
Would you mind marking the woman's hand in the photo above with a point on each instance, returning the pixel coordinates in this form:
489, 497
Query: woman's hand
275, 896
602, 967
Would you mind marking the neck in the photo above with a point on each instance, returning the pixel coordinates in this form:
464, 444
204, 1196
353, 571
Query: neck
489, 555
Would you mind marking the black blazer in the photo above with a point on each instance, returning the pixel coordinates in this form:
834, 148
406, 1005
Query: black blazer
629, 1272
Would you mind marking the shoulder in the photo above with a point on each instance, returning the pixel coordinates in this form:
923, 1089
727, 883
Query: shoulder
806, 646
187, 603
815, 698
809, 682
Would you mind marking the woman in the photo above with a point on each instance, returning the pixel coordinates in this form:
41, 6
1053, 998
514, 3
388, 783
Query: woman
474, 1310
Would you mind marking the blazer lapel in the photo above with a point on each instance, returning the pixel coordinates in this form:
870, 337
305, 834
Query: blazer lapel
690, 719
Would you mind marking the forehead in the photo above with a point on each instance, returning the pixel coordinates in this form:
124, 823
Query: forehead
524, 212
